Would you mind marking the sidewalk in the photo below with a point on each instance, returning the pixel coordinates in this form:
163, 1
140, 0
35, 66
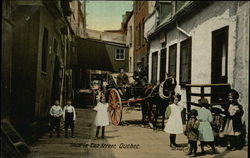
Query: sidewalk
125, 141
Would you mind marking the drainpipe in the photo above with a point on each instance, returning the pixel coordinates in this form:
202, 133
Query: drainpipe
183, 31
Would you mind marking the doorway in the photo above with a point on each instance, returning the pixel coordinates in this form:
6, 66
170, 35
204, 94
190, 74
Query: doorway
219, 63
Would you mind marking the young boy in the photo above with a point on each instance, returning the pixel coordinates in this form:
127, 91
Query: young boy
69, 116
192, 132
55, 115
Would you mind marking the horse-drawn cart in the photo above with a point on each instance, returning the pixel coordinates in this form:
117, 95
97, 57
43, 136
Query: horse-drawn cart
117, 98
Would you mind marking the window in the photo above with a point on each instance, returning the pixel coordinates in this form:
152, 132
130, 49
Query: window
219, 63
163, 65
130, 36
139, 36
179, 5
142, 32
172, 59
219, 55
185, 62
165, 10
154, 67
45, 50
136, 37
120, 54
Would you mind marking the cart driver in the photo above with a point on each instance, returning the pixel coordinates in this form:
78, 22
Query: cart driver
140, 75
122, 80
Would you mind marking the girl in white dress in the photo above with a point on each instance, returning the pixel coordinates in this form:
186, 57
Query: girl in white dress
102, 118
174, 124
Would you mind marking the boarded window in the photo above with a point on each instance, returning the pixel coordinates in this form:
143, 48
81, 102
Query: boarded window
185, 61
154, 67
45, 50
163, 65
172, 59
120, 54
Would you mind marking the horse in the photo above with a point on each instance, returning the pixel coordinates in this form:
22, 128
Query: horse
159, 95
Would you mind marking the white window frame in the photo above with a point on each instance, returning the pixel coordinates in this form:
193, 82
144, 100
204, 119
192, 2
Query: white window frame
117, 52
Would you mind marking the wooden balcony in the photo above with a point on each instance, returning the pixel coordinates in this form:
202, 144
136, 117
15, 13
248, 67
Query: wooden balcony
218, 93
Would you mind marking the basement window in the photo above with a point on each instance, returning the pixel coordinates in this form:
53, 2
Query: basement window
120, 54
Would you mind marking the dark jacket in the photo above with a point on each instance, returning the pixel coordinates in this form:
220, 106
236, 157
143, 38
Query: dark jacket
191, 131
122, 79
217, 124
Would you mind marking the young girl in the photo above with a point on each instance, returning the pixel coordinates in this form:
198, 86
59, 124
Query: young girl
206, 135
192, 131
102, 118
174, 124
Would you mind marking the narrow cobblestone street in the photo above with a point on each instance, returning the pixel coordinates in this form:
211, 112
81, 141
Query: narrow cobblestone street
145, 141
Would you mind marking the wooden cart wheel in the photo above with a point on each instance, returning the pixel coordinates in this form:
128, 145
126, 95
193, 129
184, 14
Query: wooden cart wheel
115, 104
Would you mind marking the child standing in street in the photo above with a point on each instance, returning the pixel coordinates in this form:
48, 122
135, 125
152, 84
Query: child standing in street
102, 118
217, 124
174, 124
55, 115
206, 135
69, 116
192, 132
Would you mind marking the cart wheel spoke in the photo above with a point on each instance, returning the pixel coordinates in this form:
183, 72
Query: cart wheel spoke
116, 106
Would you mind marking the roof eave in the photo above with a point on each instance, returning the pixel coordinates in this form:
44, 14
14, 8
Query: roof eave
182, 13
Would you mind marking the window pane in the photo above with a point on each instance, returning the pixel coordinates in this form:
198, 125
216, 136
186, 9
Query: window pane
120, 54
172, 59
185, 69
